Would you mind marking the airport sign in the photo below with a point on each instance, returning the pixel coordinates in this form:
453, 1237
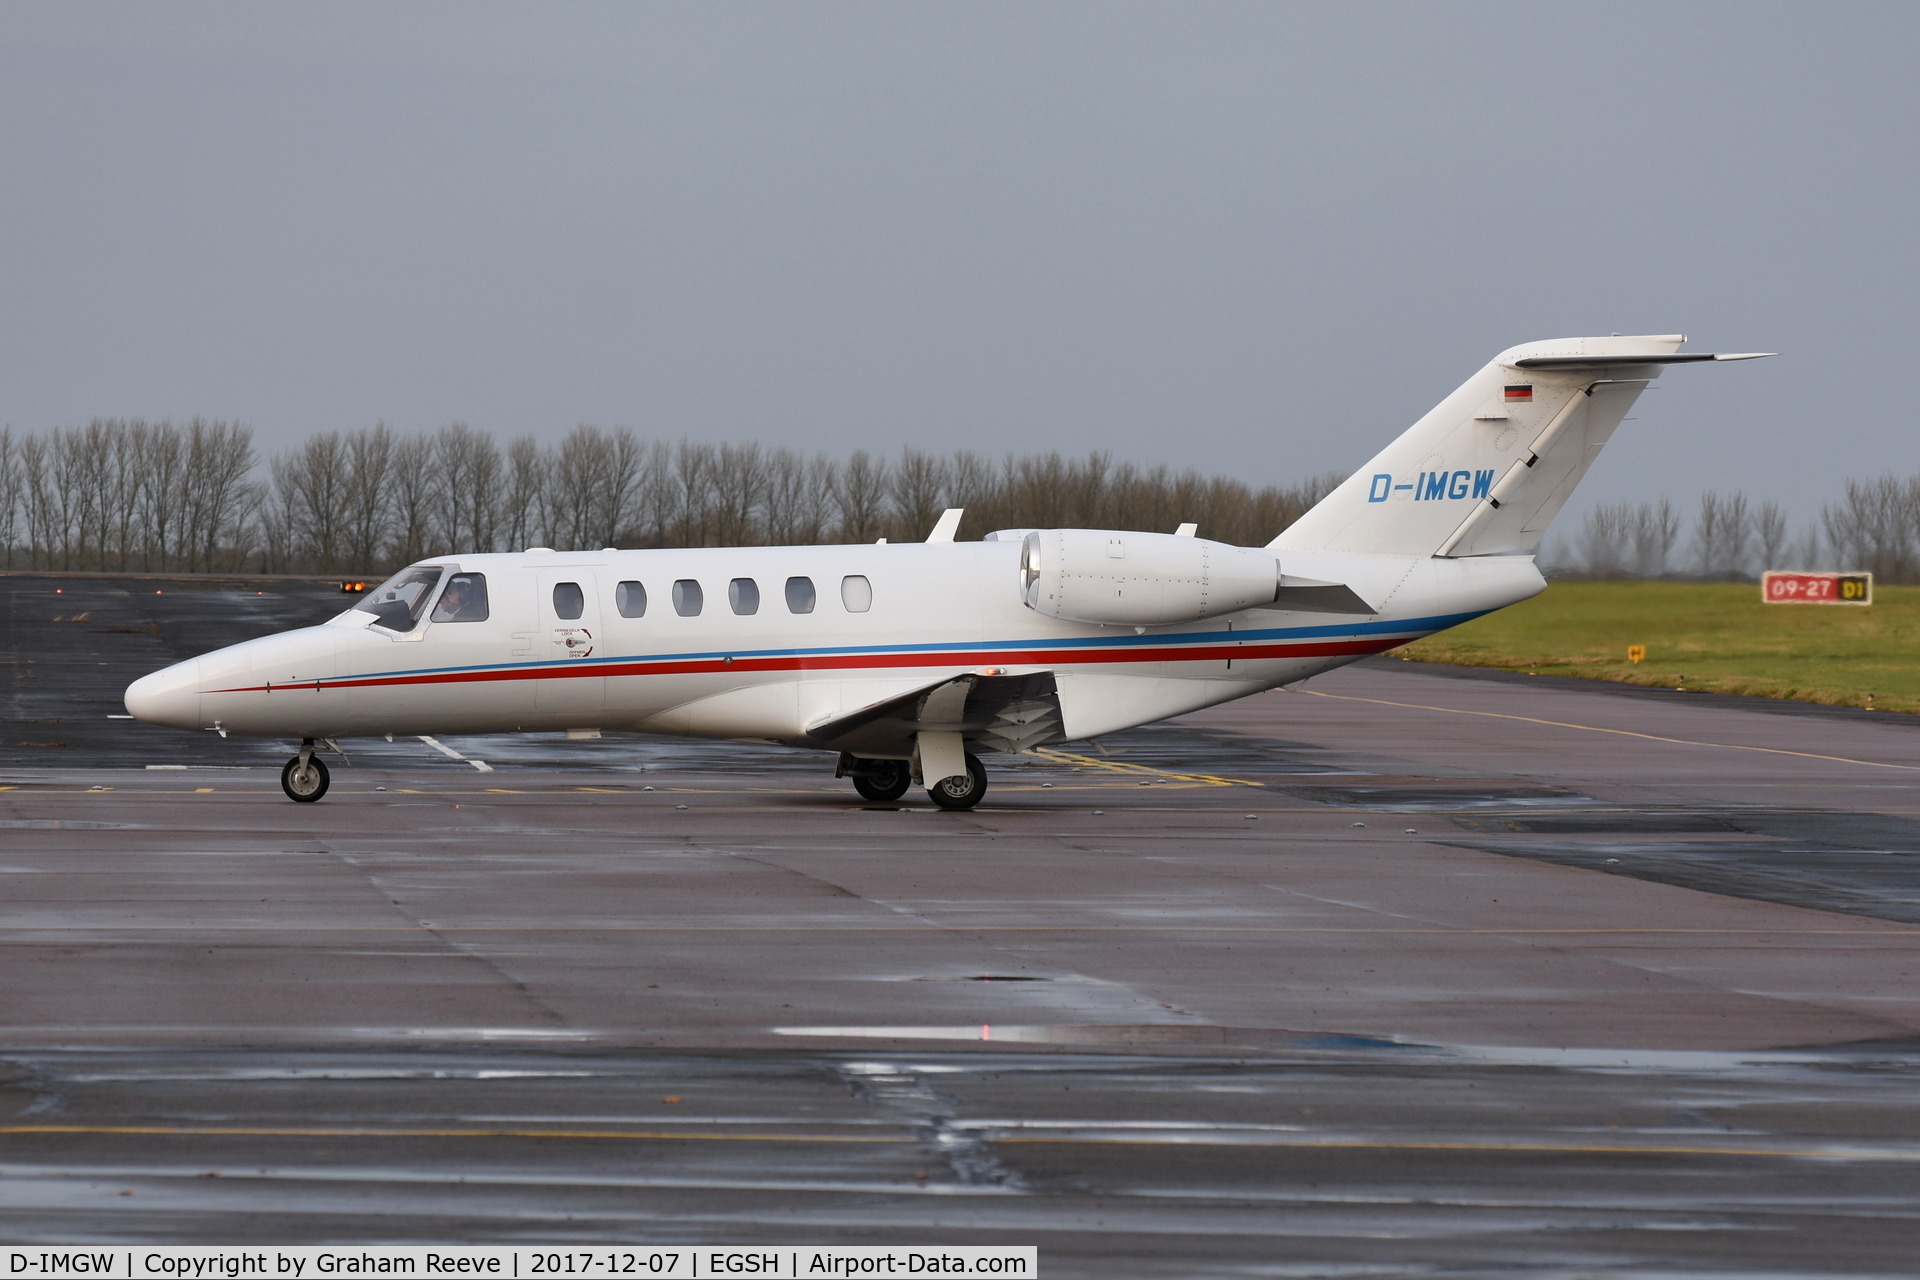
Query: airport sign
1779, 587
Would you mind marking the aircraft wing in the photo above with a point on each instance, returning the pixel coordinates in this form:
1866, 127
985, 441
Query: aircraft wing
1005, 713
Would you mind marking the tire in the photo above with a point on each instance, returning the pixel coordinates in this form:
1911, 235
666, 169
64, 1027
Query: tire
884, 779
307, 787
960, 792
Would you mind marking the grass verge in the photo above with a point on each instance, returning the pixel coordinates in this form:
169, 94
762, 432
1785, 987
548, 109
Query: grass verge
1715, 636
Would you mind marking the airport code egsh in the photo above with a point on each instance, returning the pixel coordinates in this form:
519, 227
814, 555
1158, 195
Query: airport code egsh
770, 1262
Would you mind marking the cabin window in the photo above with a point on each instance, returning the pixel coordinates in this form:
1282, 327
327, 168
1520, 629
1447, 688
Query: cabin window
464, 600
569, 601
743, 594
687, 598
630, 598
799, 595
856, 593
397, 603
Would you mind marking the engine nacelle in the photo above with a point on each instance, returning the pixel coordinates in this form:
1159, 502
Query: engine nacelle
1122, 578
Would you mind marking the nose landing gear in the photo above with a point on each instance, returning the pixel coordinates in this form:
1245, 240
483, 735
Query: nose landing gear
305, 777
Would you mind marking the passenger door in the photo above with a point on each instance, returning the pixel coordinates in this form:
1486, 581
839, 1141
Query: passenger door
568, 607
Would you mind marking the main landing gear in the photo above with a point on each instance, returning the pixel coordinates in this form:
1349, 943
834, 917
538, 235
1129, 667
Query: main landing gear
880, 780
305, 777
885, 780
962, 790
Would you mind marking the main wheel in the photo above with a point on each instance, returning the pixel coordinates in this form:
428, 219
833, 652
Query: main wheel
305, 785
961, 791
883, 779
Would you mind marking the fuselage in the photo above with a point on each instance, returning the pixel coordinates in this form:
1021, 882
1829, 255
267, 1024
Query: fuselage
768, 643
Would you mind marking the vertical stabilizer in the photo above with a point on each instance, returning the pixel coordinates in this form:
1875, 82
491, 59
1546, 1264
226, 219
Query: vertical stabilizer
1493, 463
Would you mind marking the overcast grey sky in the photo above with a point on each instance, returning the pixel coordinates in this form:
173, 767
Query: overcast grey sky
1254, 238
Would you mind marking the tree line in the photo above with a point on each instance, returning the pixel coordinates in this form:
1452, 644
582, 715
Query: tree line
135, 496
1874, 525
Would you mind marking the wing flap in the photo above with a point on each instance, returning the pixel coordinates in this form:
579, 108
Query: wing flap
1000, 712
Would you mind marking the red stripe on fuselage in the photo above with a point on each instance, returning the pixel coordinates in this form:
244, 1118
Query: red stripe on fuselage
867, 661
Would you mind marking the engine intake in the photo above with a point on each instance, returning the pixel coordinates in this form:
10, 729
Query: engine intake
1121, 578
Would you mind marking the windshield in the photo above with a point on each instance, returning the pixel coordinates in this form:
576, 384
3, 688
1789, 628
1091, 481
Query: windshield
398, 601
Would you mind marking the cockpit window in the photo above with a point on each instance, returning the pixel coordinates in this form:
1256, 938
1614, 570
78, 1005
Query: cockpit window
398, 602
464, 600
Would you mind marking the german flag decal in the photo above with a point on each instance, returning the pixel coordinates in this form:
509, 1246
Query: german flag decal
1521, 391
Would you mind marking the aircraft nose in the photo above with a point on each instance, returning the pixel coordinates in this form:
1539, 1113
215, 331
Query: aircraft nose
170, 696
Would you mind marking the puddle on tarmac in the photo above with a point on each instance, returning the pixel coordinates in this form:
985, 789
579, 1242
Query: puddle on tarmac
1424, 798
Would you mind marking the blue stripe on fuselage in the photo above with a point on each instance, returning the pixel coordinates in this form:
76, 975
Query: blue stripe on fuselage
1423, 626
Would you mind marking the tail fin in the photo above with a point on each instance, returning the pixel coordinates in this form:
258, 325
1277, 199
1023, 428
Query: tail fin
1493, 463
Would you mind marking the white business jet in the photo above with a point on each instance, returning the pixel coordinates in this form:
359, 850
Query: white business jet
906, 660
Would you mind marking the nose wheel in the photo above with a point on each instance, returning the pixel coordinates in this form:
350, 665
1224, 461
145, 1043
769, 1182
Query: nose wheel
305, 777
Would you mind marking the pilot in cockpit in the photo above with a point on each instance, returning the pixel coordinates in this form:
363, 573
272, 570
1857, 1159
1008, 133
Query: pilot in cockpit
464, 600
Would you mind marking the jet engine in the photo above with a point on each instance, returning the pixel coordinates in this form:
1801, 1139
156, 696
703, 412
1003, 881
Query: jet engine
1121, 578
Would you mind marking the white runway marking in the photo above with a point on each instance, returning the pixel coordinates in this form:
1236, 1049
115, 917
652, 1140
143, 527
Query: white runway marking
448, 751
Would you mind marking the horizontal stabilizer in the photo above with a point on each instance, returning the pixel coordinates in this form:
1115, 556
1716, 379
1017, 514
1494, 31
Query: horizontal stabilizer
1615, 362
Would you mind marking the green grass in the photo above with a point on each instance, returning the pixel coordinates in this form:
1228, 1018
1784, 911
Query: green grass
1719, 636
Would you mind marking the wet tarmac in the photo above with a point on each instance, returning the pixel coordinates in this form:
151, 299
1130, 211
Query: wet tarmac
1405, 971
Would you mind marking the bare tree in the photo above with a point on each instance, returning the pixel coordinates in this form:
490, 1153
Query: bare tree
367, 498
738, 493
159, 497
1722, 533
311, 487
1604, 540
1655, 530
12, 494
623, 486
1770, 531
859, 493
1873, 527
524, 495
220, 496
413, 487
1085, 490
39, 506
692, 496
119, 447
799, 498
917, 492
466, 513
